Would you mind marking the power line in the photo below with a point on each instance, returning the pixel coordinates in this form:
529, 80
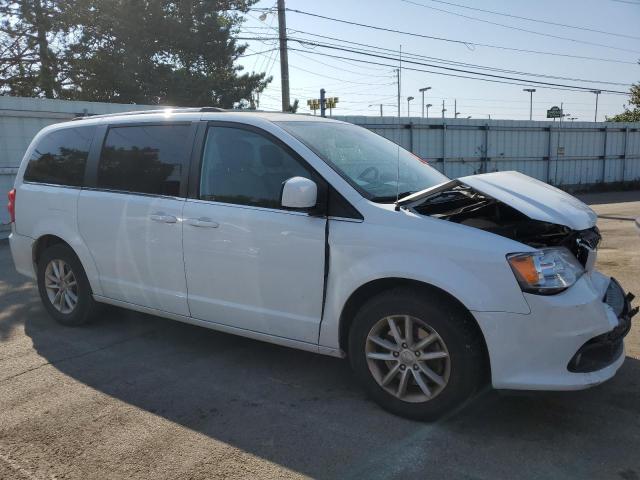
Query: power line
461, 42
496, 79
520, 29
459, 70
452, 62
547, 22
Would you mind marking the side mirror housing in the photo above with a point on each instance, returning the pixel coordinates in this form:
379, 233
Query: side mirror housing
299, 193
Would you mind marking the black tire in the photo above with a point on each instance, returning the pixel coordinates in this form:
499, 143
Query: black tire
455, 328
85, 307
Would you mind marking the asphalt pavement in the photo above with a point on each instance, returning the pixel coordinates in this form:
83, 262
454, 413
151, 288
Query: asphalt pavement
136, 396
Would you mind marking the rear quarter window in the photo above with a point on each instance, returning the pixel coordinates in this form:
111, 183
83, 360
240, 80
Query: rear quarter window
60, 157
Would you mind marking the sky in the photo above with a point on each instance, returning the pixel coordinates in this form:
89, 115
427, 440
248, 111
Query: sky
361, 87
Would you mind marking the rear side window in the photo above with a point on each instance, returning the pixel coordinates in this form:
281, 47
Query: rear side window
60, 157
143, 159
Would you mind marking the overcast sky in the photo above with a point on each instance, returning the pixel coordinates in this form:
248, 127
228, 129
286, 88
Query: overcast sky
358, 85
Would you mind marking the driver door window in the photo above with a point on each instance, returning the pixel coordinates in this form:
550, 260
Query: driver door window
243, 167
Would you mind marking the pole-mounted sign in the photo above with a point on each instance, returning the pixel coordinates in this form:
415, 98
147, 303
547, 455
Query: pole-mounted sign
554, 112
317, 104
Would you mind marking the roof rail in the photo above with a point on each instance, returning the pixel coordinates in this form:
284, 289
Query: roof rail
158, 110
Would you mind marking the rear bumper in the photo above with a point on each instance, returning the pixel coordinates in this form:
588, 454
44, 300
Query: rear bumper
535, 351
22, 253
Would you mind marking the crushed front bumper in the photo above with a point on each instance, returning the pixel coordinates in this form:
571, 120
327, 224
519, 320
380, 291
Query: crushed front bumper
603, 350
539, 351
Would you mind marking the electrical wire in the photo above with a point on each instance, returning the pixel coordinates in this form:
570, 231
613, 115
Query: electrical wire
520, 29
528, 19
458, 70
466, 43
515, 81
453, 62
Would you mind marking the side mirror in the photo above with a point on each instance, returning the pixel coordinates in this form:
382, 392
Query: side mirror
299, 192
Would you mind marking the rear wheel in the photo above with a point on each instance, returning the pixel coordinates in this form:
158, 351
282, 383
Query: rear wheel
416, 353
63, 286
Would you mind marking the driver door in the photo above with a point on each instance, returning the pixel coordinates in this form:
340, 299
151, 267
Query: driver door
250, 263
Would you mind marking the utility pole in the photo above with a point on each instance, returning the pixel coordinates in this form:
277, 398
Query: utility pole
597, 92
455, 108
443, 109
428, 105
530, 90
422, 90
284, 58
323, 103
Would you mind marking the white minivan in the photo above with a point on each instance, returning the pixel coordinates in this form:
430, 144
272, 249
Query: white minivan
321, 235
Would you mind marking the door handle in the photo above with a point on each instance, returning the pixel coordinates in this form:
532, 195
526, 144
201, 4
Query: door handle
163, 217
202, 222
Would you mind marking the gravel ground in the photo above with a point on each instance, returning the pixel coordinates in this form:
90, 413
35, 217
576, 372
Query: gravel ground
135, 396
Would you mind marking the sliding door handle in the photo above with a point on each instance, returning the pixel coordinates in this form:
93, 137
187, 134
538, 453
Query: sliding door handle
163, 218
202, 222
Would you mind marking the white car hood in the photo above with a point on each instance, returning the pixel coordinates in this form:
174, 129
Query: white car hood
536, 199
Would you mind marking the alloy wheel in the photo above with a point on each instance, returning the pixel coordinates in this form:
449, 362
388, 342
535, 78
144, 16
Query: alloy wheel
61, 286
408, 358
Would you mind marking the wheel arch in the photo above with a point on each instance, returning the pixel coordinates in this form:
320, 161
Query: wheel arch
375, 287
44, 242
48, 240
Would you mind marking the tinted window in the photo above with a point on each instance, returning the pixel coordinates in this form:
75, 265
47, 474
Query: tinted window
143, 159
240, 166
60, 157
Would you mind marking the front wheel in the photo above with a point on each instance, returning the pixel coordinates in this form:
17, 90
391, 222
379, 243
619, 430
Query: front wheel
417, 354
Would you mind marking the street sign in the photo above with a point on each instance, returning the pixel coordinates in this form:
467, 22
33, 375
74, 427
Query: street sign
330, 103
554, 112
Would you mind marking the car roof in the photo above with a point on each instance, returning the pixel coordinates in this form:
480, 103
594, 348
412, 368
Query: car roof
194, 114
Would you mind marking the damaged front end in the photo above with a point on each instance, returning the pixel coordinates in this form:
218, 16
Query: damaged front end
460, 203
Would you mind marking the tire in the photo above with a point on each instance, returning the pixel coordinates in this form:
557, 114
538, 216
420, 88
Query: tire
453, 351
84, 307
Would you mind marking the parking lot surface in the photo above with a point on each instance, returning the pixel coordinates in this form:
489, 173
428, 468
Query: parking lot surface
136, 396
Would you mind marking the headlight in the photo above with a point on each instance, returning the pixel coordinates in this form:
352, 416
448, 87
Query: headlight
547, 271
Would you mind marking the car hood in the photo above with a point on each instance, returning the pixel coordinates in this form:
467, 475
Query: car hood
535, 199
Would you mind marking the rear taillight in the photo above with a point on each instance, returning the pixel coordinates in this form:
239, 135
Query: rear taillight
11, 206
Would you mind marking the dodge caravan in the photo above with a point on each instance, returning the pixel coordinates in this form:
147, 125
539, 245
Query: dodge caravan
321, 235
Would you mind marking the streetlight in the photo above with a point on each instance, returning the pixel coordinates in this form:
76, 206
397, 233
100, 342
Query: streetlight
597, 92
375, 105
530, 90
408, 103
428, 105
422, 90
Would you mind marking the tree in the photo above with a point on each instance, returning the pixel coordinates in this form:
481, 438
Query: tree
161, 52
180, 52
28, 61
633, 114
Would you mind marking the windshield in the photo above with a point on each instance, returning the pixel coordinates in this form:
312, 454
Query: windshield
375, 166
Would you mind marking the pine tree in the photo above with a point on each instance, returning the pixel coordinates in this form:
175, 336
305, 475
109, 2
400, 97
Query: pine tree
161, 52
